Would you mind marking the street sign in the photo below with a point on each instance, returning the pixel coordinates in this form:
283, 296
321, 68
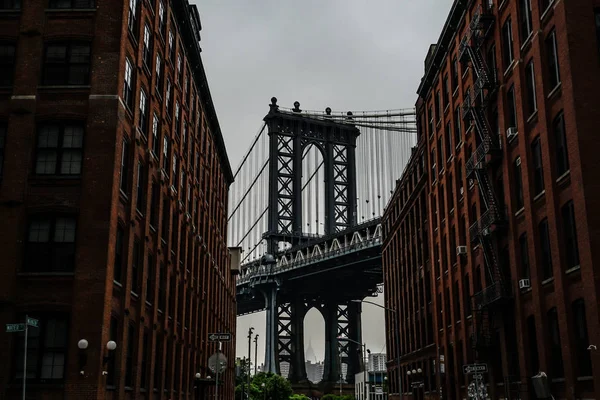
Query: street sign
10, 328
32, 322
217, 362
474, 368
219, 337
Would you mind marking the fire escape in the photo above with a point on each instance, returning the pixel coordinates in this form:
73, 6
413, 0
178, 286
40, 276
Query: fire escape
480, 167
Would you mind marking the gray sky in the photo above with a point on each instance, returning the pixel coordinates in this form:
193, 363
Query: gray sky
345, 54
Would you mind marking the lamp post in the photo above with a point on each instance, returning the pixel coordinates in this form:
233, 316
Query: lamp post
255, 353
262, 385
397, 336
197, 387
250, 332
82, 345
364, 346
416, 383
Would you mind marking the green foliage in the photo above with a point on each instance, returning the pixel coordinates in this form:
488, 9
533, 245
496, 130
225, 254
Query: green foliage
270, 387
299, 397
337, 397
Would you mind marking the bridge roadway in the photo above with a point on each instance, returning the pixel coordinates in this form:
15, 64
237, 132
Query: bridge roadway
347, 263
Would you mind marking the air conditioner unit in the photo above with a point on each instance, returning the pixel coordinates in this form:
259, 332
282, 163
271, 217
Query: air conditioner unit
524, 284
511, 133
460, 250
485, 232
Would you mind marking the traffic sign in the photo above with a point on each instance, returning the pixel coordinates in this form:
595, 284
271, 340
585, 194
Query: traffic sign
219, 337
32, 322
474, 368
10, 328
217, 362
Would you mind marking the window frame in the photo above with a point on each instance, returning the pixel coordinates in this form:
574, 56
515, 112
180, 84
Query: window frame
545, 249
561, 151
538, 166
125, 161
67, 65
531, 88
571, 241
507, 44
518, 176
128, 83
59, 150
3, 136
7, 65
552, 60
52, 249
526, 20
147, 49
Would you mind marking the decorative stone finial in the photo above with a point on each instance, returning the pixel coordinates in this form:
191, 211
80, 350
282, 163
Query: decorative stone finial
296, 107
274, 100
349, 114
328, 111
273, 107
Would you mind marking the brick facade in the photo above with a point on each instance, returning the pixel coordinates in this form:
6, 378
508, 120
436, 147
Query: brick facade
113, 193
524, 296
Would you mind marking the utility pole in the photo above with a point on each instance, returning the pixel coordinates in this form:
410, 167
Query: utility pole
250, 332
255, 353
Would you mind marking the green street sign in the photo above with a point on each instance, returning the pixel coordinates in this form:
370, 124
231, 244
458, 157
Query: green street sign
33, 322
10, 328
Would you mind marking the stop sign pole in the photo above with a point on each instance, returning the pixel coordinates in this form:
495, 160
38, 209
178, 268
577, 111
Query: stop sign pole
12, 328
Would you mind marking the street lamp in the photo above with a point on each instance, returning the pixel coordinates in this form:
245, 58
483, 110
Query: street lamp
364, 346
197, 377
82, 345
262, 385
397, 336
111, 345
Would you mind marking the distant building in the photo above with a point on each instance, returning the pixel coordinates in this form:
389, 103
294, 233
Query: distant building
377, 362
314, 371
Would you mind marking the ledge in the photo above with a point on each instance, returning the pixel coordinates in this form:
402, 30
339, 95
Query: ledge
572, 270
554, 92
564, 178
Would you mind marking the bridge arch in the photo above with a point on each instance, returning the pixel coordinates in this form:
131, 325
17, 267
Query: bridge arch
314, 336
313, 189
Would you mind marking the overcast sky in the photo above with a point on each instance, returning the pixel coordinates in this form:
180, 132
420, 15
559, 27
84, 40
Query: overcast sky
344, 54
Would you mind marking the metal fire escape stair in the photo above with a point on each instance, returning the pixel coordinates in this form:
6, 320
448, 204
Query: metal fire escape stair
474, 109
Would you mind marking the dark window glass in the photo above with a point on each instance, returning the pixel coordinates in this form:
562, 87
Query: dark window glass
538, 169
168, 97
71, 4
136, 266
524, 252
67, 64
161, 287
154, 205
583, 366
430, 121
177, 122
10, 4
450, 197
128, 84
132, 17
2, 146
561, 151
467, 295
59, 149
171, 46
526, 19
457, 127
552, 54
447, 311
454, 73
150, 279
51, 244
119, 254
519, 203
131, 342
440, 154
570, 235
7, 63
545, 249
162, 23
141, 188
144, 113
512, 108
158, 82
533, 356
155, 135
530, 83
147, 51
144, 364
433, 165
492, 63
124, 179
438, 114
556, 360
456, 302
446, 92
165, 151
448, 140
46, 350
158, 367
165, 220
544, 4
507, 44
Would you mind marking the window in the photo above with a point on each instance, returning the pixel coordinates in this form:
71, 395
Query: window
174, 170
456, 301
530, 85
161, 287
583, 366
154, 204
2, 145
446, 92
7, 64
112, 361
128, 84
59, 149
155, 137
492, 64
143, 112
144, 364
512, 108
119, 254
161, 18
432, 160
560, 138
46, 350
440, 154
552, 54
158, 83
129, 360
165, 163
518, 184
168, 97
438, 114
467, 295
10, 4
545, 249
430, 112
171, 46
66, 64
523, 251
507, 44
448, 140
124, 166
147, 51
136, 266
150, 279
457, 128
179, 65
556, 361
140, 188
71, 4
165, 220
454, 74
132, 18
597, 20
526, 20
51, 244
570, 235
538, 169
177, 124
533, 356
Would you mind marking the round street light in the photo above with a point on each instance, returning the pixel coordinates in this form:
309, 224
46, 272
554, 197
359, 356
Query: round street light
414, 371
111, 345
408, 372
419, 370
198, 376
82, 344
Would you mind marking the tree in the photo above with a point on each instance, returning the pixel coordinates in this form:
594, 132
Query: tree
298, 397
275, 387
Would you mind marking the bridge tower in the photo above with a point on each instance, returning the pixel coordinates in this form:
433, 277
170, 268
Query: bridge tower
290, 133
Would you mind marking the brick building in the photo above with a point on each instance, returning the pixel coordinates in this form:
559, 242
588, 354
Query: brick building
114, 183
506, 115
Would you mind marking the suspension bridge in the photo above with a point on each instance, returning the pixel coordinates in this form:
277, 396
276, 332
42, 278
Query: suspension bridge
305, 209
